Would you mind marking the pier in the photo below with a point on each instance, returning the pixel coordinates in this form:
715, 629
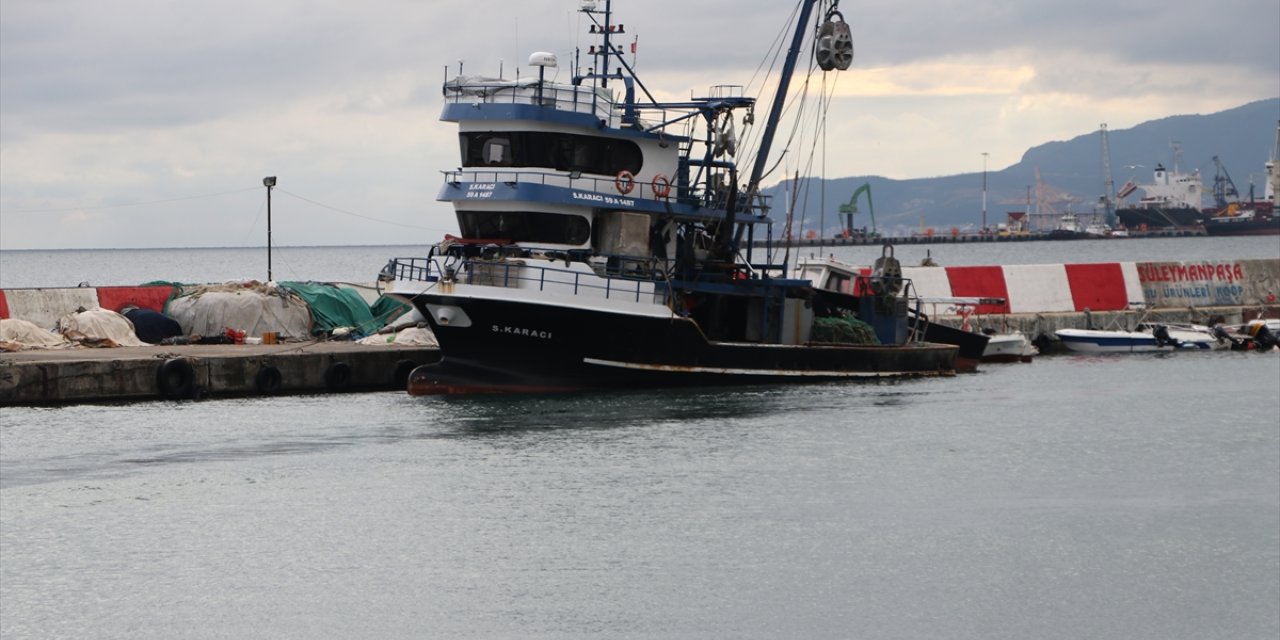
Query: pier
187, 372
957, 237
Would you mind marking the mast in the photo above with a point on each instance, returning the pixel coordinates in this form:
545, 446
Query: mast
727, 238
775, 110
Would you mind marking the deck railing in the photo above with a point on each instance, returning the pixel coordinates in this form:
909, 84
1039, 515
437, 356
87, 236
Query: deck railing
521, 275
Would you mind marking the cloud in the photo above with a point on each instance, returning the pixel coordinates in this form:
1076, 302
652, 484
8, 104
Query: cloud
139, 123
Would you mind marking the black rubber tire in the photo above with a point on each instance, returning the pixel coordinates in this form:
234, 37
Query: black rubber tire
337, 376
268, 380
176, 379
400, 379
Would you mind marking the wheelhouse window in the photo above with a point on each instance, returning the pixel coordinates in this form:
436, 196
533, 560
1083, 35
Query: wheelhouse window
525, 226
550, 150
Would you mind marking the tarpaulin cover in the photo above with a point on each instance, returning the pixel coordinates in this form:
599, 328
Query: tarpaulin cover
152, 327
253, 308
333, 307
388, 309
99, 327
16, 335
418, 336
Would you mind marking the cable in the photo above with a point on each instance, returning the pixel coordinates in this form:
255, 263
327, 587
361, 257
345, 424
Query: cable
357, 215
132, 204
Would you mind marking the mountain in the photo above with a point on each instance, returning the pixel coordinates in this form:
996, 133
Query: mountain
1071, 173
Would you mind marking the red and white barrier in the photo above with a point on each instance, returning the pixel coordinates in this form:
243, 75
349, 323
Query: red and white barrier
1033, 288
1106, 286
44, 307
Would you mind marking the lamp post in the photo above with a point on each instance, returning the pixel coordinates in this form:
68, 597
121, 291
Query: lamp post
984, 191
269, 182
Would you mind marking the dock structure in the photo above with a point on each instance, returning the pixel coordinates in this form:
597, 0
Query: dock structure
1036, 299
183, 372
959, 237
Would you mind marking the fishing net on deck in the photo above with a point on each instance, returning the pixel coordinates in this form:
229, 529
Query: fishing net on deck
843, 330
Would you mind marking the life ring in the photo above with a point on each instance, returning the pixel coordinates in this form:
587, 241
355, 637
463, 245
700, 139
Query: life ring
625, 182
337, 376
661, 186
268, 380
176, 378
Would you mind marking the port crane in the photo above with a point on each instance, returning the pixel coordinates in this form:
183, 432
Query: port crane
1108, 184
852, 208
1224, 190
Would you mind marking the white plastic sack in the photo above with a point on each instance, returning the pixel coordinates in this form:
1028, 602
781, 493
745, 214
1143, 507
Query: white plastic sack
421, 336
99, 327
16, 335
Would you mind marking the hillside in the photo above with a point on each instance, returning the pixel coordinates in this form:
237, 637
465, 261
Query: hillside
1071, 172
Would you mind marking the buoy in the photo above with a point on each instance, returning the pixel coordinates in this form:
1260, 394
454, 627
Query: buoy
661, 186
625, 182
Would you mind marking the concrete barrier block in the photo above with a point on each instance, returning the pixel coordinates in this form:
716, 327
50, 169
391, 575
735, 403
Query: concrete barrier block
44, 307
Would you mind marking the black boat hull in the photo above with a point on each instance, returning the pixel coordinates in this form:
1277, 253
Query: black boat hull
1159, 217
494, 345
1255, 227
970, 345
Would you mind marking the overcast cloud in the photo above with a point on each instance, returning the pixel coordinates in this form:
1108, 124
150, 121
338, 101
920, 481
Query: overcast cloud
145, 123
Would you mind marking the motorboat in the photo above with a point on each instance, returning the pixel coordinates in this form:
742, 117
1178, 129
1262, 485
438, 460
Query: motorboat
1144, 338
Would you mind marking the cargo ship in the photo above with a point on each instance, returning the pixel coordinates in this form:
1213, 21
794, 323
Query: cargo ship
1172, 200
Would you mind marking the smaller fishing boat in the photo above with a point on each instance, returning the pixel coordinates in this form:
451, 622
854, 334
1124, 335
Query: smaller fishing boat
839, 276
1144, 338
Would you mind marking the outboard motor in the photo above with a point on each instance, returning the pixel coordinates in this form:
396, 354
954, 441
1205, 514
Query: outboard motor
1163, 339
833, 48
1263, 338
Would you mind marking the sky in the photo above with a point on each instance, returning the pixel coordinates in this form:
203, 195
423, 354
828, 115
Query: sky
152, 123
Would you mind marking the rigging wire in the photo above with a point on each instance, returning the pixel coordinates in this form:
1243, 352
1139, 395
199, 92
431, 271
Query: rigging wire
130, 204
352, 213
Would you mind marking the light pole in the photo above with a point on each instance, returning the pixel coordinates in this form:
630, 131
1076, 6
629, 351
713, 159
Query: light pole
269, 182
984, 192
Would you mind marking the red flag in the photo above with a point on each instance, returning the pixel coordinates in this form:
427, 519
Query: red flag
633, 44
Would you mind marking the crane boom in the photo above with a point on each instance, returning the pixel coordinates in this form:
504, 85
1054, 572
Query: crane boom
852, 208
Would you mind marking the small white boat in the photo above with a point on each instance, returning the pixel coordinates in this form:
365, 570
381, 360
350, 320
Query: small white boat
1009, 347
1006, 346
1145, 338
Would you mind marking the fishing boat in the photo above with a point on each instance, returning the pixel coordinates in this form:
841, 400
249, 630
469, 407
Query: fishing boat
607, 240
836, 275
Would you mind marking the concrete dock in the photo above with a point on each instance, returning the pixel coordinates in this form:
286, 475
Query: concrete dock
68, 376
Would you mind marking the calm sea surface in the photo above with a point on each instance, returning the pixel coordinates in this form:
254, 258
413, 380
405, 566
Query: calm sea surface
106, 267
1114, 497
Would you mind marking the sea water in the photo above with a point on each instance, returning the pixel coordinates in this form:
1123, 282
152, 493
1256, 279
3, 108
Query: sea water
1133, 496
